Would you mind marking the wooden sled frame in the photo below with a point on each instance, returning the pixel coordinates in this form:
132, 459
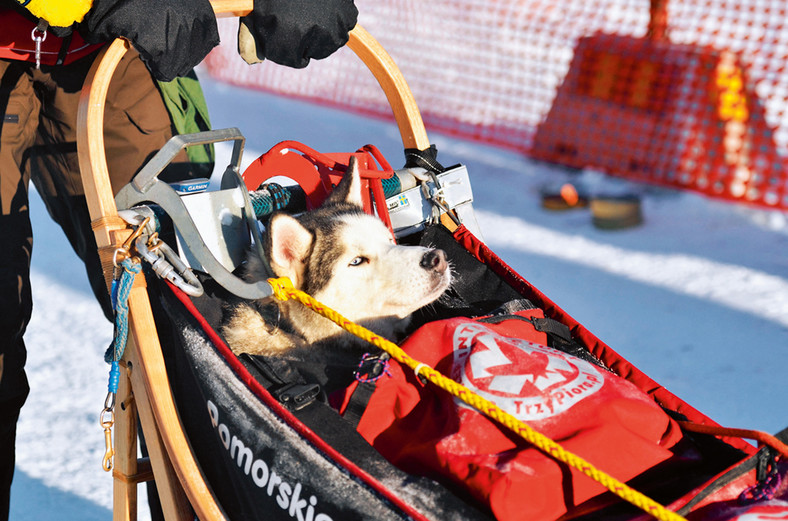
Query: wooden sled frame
144, 395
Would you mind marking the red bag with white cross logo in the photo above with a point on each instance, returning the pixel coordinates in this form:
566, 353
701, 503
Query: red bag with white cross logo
588, 410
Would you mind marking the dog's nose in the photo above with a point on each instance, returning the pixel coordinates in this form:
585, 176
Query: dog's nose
434, 260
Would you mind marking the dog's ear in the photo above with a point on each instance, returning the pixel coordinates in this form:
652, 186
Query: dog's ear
290, 243
349, 188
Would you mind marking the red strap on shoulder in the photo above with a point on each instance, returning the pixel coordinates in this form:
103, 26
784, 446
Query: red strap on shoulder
17, 43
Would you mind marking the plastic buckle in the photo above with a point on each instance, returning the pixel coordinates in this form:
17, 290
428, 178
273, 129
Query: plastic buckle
297, 396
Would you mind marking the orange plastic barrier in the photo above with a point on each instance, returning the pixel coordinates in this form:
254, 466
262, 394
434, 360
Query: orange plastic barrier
664, 113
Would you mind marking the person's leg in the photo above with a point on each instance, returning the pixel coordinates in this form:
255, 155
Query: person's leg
136, 126
19, 109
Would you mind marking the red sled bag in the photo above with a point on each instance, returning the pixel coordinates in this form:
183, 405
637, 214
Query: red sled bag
587, 409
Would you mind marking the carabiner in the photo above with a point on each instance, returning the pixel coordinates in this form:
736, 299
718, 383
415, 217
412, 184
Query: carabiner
38, 36
123, 251
167, 265
107, 424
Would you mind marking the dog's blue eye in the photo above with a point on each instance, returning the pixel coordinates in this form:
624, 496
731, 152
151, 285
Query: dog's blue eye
358, 261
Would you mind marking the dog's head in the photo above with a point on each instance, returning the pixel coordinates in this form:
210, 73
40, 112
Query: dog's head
348, 259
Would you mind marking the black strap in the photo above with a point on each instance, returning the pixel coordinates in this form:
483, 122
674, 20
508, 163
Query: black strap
427, 159
559, 334
561, 339
283, 382
371, 368
497, 319
358, 402
552, 328
61, 55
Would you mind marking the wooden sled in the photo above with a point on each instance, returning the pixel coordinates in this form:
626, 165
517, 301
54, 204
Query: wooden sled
144, 393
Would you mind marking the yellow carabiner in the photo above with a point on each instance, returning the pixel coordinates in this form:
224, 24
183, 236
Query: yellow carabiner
109, 452
123, 251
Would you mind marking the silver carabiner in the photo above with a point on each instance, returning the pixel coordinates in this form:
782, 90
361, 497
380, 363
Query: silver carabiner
167, 265
436, 197
38, 37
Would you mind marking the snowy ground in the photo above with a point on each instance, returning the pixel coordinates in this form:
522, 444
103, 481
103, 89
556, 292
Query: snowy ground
697, 296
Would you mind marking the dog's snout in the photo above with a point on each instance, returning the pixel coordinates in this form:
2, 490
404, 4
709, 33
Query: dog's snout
434, 260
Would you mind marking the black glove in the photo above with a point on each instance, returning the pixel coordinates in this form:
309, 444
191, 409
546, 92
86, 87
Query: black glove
172, 36
291, 32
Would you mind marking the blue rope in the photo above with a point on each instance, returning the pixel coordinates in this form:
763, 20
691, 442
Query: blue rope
120, 302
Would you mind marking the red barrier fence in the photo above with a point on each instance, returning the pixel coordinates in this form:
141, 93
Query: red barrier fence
683, 93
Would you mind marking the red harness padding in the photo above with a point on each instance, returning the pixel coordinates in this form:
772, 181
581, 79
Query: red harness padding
17, 43
585, 408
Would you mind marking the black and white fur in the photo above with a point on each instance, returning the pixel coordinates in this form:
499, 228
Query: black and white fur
346, 259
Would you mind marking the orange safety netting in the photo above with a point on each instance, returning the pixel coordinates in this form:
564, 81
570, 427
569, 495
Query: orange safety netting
683, 93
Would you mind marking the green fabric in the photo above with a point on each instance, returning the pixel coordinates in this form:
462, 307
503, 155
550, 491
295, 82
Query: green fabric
185, 102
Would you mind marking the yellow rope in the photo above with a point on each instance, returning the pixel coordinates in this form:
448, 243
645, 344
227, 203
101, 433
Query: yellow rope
284, 290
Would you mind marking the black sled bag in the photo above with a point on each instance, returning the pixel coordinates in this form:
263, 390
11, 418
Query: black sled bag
270, 448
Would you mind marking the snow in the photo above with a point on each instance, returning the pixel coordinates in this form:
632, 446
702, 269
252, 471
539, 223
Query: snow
696, 297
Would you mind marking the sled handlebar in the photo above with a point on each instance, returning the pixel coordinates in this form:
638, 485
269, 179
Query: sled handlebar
380, 64
90, 124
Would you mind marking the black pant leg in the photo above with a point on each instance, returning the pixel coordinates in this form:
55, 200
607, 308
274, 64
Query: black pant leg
19, 111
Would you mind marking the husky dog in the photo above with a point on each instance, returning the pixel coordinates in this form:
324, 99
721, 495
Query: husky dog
346, 259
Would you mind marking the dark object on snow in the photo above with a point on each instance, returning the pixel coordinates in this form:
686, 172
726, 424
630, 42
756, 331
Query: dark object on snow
616, 211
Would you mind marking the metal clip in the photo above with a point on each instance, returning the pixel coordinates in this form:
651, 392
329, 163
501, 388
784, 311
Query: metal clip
435, 195
38, 37
123, 252
107, 424
168, 266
